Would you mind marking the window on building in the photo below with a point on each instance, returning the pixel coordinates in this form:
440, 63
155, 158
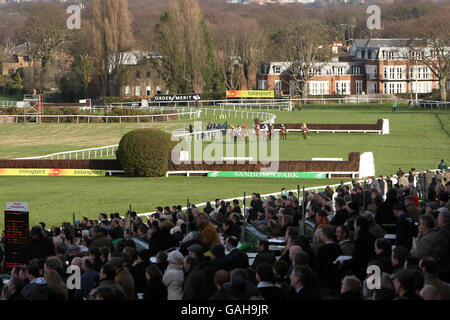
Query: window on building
343, 87
138, 74
137, 91
359, 86
262, 84
277, 69
356, 70
127, 91
158, 90
149, 74
278, 86
318, 88
148, 90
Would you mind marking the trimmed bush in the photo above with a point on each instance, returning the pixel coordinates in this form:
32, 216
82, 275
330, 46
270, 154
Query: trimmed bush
145, 152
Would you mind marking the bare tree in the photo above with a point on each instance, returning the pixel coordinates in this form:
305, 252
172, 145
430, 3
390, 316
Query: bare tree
46, 33
111, 38
251, 44
434, 50
307, 50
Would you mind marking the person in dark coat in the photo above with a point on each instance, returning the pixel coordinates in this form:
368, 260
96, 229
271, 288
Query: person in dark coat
266, 283
440, 249
326, 268
299, 279
88, 279
256, 206
341, 213
99, 239
137, 271
161, 240
229, 229
405, 229
385, 214
39, 246
15, 286
220, 278
264, 254
351, 289
218, 262
37, 289
238, 259
383, 251
364, 247
405, 285
155, 290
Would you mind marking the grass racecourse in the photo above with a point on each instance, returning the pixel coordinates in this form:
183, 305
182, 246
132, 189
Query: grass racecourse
418, 138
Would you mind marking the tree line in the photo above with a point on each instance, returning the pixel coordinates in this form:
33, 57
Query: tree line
203, 46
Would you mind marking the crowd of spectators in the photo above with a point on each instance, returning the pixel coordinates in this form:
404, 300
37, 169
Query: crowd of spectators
330, 240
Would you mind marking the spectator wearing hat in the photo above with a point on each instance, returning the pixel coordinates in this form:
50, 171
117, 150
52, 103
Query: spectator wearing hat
411, 208
39, 246
238, 258
374, 228
173, 277
405, 229
425, 237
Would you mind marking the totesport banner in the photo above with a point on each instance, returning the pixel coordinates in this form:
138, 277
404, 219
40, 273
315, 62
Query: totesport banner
53, 172
250, 94
274, 175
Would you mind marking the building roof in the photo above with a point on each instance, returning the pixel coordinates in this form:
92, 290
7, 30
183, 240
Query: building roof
379, 43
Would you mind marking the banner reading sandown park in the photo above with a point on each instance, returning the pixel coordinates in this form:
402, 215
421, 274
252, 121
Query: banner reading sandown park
53, 172
274, 175
250, 94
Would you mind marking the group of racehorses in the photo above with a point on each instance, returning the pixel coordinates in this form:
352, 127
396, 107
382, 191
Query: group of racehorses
269, 131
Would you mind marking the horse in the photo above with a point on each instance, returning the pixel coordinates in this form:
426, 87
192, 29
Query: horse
284, 133
305, 132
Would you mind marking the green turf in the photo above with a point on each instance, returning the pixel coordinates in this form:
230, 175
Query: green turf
54, 199
419, 138
8, 97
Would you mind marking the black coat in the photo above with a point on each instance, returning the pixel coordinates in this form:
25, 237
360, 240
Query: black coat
304, 294
405, 230
138, 274
364, 251
221, 294
341, 216
36, 292
264, 257
40, 249
385, 214
328, 272
161, 240
155, 290
440, 249
272, 293
238, 259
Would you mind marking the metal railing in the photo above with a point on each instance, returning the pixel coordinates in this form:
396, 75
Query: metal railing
91, 153
107, 119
